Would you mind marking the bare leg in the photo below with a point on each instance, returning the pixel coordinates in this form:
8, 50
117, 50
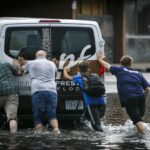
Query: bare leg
140, 127
11, 107
13, 126
39, 128
54, 125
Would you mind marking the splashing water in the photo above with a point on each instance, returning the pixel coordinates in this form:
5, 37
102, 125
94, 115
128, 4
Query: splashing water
114, 137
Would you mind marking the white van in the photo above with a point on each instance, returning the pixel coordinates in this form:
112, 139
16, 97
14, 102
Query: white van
66, 40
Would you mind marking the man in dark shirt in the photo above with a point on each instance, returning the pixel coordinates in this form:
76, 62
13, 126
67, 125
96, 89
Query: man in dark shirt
95, 106
9, 93
131, 85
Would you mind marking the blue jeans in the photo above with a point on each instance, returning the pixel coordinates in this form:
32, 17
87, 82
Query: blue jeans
44, 103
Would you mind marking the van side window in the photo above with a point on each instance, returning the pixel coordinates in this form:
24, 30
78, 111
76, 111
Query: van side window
71, 40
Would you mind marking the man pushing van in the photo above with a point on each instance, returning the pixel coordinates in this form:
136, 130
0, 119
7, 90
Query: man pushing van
130, 84
9, 93
43, 87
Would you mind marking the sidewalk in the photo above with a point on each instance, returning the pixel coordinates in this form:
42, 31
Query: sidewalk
143, 67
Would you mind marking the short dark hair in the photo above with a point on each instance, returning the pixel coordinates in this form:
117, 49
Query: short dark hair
126, 60
84, 67
28, 53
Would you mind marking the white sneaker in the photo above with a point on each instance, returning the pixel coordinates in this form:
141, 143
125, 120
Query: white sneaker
56, 131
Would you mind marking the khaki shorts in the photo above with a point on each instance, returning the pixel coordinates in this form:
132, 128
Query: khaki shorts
10, 104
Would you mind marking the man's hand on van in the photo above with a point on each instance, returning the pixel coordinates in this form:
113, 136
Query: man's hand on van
16, 67
100, 56
21, 61
15, 62
55, 61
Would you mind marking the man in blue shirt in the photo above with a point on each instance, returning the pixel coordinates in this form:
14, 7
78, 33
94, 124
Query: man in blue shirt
95, 105
131, 85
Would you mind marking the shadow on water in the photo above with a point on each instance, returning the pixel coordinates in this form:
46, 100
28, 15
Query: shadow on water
114, 137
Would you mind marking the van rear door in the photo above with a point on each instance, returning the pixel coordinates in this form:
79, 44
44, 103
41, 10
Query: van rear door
73, 44
66, 42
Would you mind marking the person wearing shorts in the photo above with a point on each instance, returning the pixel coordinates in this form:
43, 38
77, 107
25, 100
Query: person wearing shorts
9, 93
132, 88
135, 108
43, 87
44, 102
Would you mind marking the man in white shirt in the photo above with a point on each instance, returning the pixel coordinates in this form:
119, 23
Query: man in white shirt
43, 87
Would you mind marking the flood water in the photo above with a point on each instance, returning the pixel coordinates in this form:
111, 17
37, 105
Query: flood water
119, 134
114, 137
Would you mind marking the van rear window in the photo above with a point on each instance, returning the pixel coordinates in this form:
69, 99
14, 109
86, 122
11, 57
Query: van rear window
55, 40
23, 38
72, 40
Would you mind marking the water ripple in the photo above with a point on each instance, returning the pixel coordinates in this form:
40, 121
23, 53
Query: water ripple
114, 137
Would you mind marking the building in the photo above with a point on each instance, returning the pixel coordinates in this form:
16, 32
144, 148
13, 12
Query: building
125, 24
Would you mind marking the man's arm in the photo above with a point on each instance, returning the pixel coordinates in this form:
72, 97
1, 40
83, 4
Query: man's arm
66, 75
56, 62
22, 62
147, 93
101, 60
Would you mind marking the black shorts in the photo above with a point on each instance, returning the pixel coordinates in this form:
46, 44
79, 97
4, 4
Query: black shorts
135, 108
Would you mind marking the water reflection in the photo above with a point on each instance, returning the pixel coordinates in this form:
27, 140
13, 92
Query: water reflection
113, 137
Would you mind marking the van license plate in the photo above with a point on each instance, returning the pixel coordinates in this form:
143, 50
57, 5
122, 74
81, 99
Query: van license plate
73, 105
